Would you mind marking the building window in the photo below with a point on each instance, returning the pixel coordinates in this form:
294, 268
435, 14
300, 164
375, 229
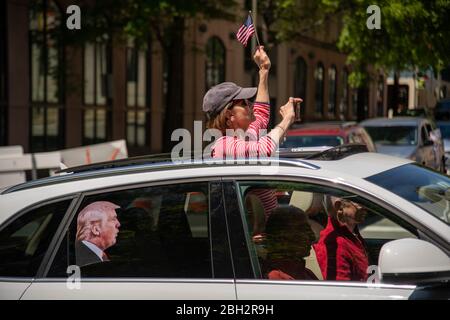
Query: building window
3, 63
300, 80
380, 96
332, 91
137, 94
46, 76
215, 62
97, 91
319, 80
343, 105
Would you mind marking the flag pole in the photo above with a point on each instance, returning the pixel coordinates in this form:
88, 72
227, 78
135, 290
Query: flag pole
256, 30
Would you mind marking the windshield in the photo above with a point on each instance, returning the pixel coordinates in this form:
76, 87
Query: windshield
398, 136
312, 141
425, 188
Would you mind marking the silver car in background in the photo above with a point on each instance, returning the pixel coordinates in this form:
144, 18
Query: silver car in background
414, 138
444, 127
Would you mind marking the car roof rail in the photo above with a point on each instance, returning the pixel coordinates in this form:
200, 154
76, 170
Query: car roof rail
132, 166
147, 159
165, 158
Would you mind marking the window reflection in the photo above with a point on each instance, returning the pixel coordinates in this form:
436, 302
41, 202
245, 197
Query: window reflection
160, 231
302, 231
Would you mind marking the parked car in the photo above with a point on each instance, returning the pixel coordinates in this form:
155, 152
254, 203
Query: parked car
408, 137
317, 134
442, 110
444, 127
185, 231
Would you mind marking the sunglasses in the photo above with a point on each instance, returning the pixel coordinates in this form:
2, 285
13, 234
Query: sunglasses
245, 102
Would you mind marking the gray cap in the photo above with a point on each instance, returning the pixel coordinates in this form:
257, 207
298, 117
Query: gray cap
220, 95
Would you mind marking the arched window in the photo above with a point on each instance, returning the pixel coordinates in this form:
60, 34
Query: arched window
215, 62
300, 81
46, 76
97, 95
319, 81
343, 105
332, 90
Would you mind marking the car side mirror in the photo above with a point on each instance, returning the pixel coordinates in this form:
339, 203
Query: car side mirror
413, 261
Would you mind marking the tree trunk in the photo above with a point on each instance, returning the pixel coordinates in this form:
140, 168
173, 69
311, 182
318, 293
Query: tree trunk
175, 82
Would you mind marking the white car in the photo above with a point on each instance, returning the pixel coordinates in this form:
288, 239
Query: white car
187, 231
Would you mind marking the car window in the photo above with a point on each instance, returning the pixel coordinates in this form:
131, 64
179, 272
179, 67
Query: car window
311, 141
24, 241
393, 135
158, 231
424, 187
300, 231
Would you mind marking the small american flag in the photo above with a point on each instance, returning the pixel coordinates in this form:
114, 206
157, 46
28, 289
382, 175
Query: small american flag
246, 31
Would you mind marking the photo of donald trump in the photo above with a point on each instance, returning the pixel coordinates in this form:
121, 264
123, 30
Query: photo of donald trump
97, 229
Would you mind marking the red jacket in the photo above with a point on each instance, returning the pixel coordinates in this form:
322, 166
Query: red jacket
341, 254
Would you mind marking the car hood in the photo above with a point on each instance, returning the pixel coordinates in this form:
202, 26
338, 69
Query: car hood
397, 151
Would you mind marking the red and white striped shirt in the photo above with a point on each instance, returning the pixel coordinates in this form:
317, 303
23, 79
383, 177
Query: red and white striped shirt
236, 147
256, 146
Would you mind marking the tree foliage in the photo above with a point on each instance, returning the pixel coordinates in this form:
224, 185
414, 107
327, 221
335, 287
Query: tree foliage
414, 34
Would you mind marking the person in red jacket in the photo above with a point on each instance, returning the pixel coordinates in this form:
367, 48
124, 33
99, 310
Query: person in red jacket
341, 251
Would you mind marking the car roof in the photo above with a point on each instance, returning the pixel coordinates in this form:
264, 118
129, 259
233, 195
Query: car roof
348, 164
374, 163
396, 121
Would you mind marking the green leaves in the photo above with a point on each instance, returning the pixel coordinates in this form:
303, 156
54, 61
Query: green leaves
415, 34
